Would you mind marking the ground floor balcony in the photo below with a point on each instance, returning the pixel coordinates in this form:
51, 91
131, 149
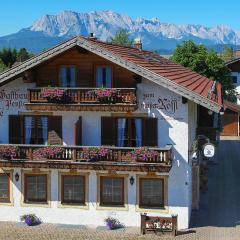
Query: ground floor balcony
82, 99
85, 157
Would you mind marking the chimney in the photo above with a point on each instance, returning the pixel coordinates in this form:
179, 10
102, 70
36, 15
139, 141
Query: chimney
92, 36
138, 43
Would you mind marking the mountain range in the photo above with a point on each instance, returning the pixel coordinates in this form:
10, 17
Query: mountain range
50, 30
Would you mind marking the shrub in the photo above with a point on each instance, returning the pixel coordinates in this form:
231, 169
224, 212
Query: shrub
30, 219
112, 223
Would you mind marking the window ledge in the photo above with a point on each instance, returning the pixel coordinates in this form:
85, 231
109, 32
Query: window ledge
6, 204
151, 210
33, 204
113, 208
69, 205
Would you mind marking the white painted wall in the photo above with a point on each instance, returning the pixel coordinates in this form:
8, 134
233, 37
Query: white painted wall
237, 85
173, 118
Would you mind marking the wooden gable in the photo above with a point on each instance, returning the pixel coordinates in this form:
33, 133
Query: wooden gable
47, 74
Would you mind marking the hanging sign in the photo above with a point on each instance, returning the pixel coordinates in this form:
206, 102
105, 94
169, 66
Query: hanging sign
209, 150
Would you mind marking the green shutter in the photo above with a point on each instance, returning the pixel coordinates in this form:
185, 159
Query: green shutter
108, 131
16, 126
149, 132
55, 130
78, 132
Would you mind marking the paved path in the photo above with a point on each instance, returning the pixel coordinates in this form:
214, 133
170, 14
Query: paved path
217, 219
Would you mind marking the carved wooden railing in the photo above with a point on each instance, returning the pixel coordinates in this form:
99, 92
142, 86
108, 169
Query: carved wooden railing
85, 154
82, 95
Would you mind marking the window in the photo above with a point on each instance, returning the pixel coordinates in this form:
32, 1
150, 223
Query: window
4, 187
103, 77
35, 188
73, 189
68, 76
151, 191
36, 130
112, 191
234, 79
129, 132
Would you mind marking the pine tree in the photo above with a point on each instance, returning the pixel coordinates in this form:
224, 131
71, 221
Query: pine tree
122, 38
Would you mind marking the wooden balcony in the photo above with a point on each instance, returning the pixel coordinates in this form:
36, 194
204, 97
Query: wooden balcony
84, 157
81, 99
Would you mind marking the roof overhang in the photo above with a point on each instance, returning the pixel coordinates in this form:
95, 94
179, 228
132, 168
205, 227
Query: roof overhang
100, 51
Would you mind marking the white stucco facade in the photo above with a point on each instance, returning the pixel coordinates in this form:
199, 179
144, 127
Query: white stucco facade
176, 126
236, 75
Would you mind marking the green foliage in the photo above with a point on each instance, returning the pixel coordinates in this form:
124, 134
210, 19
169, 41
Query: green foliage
9, 56
122, 38
227, 54
22, 55
3, 67
206, 63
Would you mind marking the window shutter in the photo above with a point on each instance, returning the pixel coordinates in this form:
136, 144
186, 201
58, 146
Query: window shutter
108, 131
55, 130
15, 126
149, 132
78, 132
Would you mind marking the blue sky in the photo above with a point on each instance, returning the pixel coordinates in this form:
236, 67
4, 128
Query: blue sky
17, 14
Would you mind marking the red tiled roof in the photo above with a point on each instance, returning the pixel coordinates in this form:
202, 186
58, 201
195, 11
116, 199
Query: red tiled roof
232, 106
160, 70
166, 68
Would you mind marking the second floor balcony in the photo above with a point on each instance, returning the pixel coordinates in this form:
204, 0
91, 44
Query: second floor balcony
85, 157
82, 99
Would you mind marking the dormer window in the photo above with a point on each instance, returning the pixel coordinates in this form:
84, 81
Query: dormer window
103, 77
68, 76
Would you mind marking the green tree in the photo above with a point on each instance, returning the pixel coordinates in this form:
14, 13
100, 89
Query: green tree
3, 67
122, 38
8, 56
206, 63
22, 55
227, 54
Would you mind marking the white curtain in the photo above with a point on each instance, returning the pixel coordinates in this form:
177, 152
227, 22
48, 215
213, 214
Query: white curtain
44, 122
28, 122
138, 126
121, 131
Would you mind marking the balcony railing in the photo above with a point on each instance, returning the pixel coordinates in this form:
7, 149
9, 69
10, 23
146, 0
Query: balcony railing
85, 154
77, 99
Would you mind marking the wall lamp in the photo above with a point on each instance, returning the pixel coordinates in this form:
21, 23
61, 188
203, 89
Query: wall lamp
17, 177
131, 180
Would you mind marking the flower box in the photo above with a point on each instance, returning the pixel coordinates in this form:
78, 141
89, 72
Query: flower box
144, 154
8, 152
94, 154
107, 96
48, 153
55, 95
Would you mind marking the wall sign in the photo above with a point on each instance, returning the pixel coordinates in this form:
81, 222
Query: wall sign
12, 99
167, 104
209, 150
